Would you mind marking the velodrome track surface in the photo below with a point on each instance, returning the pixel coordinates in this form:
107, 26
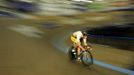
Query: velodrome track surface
38, 52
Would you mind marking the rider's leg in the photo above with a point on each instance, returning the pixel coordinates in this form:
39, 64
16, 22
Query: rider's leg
78, 51
79, 48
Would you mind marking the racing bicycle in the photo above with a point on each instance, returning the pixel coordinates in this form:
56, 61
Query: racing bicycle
85, 56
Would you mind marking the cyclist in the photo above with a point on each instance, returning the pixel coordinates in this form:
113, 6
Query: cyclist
79, 40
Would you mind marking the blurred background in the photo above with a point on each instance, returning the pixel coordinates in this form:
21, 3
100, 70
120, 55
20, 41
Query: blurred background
35, 36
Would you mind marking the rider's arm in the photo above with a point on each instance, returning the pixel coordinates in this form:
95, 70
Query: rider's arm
86, 45
85, 41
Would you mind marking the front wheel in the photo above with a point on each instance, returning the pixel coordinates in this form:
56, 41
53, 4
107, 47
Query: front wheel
87, 58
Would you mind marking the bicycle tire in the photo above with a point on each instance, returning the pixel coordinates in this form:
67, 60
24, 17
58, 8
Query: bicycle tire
70, 54
87, 58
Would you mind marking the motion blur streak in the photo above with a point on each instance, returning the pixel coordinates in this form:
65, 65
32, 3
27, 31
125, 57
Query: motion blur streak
123, 70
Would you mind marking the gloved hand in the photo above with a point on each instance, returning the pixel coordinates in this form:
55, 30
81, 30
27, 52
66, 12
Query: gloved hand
89, 47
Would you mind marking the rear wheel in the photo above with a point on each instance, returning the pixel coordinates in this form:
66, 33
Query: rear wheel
71, 55
87, 58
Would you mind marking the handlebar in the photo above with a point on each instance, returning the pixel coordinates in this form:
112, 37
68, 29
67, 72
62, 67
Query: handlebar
88, 47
